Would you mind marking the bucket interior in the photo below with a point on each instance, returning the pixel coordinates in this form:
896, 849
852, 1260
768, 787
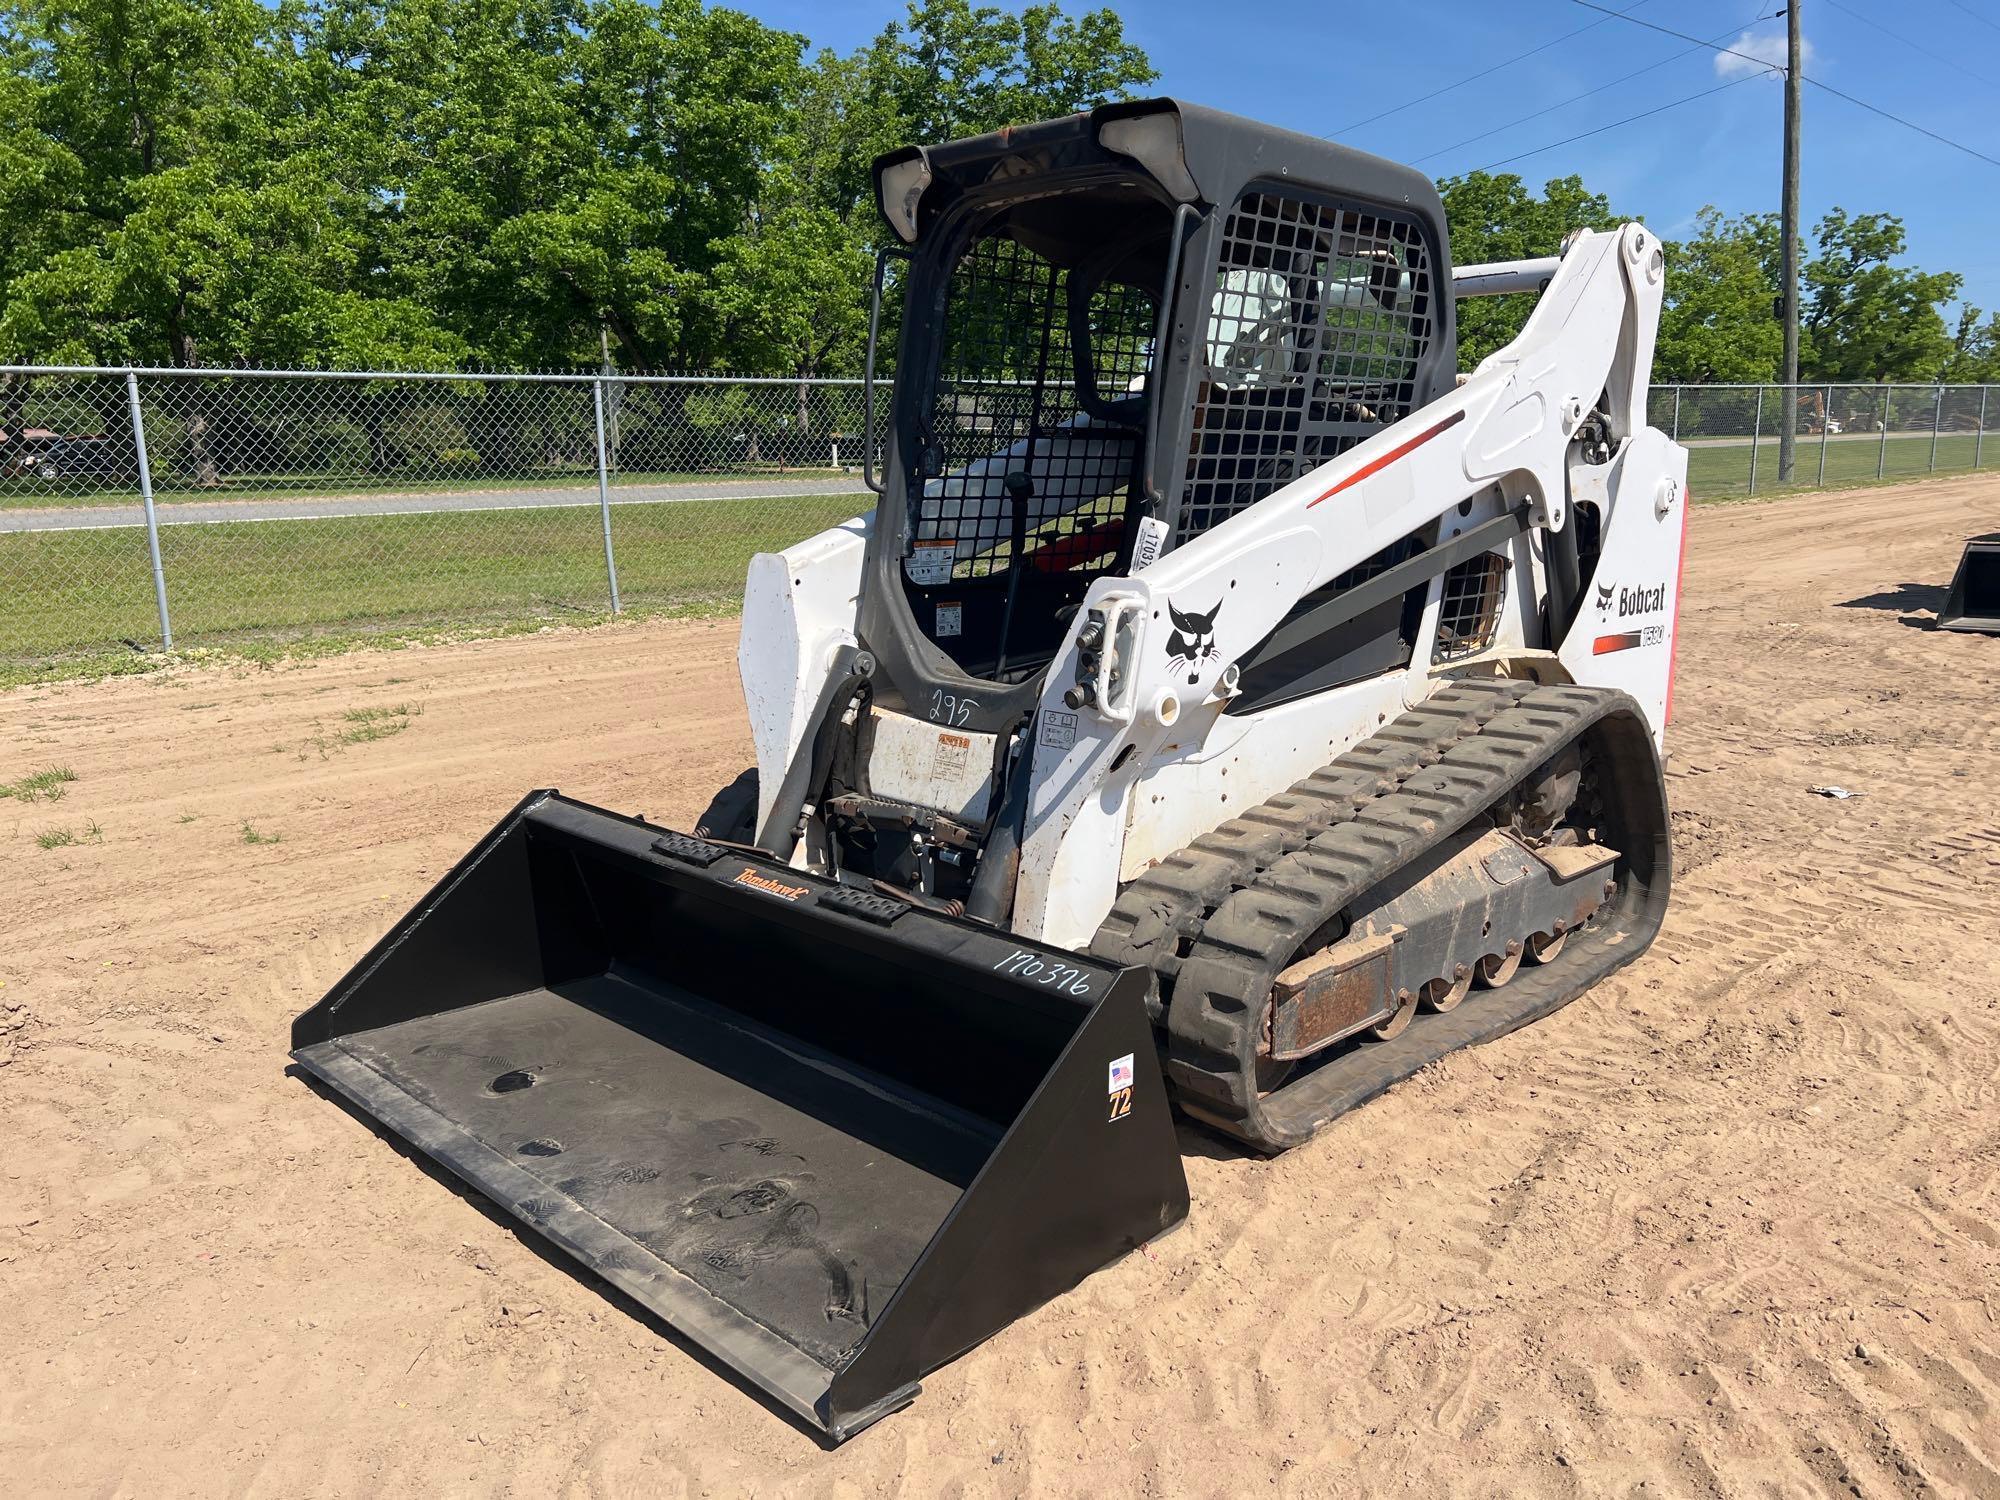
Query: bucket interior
780, 1106
1980, 575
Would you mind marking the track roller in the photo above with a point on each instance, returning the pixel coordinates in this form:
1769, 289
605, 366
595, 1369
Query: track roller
1497, 968
1441, 995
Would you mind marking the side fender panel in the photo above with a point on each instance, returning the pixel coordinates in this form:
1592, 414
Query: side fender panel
1623, 634
799, 607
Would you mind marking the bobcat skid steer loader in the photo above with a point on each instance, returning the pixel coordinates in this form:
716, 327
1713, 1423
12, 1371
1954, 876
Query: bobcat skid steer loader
1225, 707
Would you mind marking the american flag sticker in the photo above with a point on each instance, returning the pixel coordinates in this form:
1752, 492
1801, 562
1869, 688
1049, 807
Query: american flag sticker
1121, 1073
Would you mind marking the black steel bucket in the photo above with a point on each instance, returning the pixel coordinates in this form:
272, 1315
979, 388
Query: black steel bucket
832, 1138
1974, 600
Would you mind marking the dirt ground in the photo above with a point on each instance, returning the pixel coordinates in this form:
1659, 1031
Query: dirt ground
1728, 1225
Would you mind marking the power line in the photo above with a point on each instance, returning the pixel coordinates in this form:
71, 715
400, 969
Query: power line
1669, 31
1575, 98
1895, 36
1629, 119
1943, 140
1484, 72
1956, 5
1906, 124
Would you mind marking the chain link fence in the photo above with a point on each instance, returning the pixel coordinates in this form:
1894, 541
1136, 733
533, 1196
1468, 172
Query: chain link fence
180, 508
1842, 434
154, 508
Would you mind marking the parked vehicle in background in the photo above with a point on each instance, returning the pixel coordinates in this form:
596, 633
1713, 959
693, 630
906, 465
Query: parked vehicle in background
40, 454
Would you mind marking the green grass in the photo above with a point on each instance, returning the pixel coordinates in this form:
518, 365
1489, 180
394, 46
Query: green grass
250, 835
358, 726
80, 603
64, 838
1850, 460
365, 724
47, 785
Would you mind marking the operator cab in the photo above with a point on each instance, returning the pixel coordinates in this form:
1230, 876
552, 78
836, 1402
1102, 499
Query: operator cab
1117, 331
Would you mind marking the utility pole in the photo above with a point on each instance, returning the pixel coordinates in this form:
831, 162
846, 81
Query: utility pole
1788, 420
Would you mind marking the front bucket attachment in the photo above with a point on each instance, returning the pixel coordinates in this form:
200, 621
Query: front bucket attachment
1974, 600
833, 1139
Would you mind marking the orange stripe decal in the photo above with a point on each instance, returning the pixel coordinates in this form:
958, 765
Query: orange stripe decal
1377, 465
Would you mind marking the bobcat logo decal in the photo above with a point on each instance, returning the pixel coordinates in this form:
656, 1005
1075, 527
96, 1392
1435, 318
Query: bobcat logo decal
1605, 592
1192, 640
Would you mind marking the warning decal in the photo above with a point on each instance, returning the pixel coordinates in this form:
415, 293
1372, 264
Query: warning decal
930, 562
951, 755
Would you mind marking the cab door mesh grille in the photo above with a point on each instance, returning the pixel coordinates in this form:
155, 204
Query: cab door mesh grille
1318, 320
1005, 401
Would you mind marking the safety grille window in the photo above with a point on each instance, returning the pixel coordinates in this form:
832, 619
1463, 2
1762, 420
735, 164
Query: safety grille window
1317, 322
1120, 342
1469, 607
1029, 442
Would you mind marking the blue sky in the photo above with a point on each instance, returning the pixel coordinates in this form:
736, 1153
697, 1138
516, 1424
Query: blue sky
1325, 67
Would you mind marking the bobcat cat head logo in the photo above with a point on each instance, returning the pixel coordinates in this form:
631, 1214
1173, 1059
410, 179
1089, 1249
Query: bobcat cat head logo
1604, 594
1192, 640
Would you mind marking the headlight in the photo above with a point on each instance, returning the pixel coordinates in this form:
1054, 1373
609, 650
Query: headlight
900, 186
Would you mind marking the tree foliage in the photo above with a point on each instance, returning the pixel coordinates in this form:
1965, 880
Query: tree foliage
1863, 316
428, 183
1718, 323
1495, 218
522, 183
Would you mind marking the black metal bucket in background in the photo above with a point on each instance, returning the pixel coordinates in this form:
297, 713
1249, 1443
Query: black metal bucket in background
834, 1139
1974, 601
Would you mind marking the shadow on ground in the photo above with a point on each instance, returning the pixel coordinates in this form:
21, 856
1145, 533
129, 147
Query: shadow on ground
1917, 603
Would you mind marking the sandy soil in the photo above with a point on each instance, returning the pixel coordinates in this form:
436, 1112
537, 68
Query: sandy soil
1729, 1225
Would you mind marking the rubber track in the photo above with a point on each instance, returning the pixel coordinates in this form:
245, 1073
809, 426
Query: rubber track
1249, 897
1162, 912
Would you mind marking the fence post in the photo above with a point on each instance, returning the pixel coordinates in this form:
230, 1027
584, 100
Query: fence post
1825, 426
1677, 414
1882, 452
1756, 437
604, 493
1979, 441
1937, 421
152, 520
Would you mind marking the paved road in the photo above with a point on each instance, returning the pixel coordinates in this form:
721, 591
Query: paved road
175, 511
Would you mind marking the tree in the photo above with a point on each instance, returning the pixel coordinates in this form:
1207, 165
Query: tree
560, 168
1975, 349
953, 70
1497, 218
1718, 323
172, 204
1864, 319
